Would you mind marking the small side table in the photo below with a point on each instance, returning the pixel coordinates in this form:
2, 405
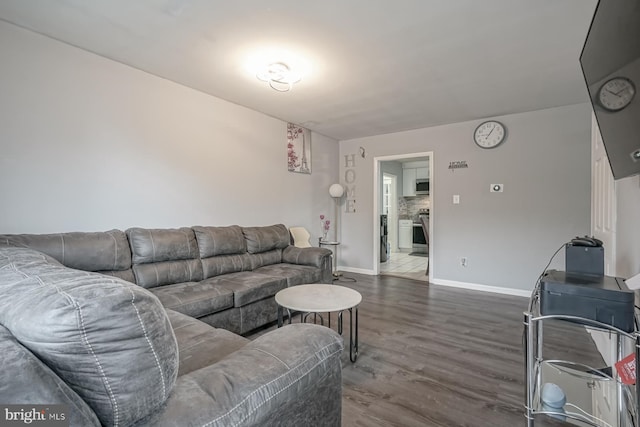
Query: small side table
321, 298
335, 244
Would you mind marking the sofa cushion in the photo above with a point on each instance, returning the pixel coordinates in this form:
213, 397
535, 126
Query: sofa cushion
167, 272
258, 314
214, 241
263, 239
121, 274
201, 345
293, 274
164, 256
156, 245
259, 383
99, 251
195, 299
224, 264
230, 320
108, 339
247, 286
273, 256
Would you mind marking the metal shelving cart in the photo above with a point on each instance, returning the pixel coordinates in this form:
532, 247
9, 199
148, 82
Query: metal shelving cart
604, 385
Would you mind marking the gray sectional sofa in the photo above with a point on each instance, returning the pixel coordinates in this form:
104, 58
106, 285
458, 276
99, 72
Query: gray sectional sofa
112, 324
225, 276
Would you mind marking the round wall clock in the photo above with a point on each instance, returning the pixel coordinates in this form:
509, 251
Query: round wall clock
489, 134
616, 93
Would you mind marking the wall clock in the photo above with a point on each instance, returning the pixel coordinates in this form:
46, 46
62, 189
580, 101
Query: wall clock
616, 93
489, 134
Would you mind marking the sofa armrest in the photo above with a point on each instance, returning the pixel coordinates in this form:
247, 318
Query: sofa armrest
315, 257
290, 376
26, 380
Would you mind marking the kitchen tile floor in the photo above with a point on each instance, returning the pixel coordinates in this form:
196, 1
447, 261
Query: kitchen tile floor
405, 265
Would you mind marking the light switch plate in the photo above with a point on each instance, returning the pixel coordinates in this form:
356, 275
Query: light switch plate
496, 188
456, 199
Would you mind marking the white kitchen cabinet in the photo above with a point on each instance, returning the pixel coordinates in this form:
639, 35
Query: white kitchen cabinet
405, 238
422, 173
409, 182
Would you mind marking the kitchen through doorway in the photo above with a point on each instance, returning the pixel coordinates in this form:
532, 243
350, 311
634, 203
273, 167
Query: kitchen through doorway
405, 211
389, 235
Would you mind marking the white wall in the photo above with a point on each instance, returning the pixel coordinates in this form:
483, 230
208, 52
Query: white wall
507, 237
628, 227
90, 144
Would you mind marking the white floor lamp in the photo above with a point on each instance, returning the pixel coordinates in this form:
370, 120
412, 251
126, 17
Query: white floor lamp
336, 191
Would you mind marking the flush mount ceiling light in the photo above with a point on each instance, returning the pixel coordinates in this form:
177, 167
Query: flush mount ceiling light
279, 76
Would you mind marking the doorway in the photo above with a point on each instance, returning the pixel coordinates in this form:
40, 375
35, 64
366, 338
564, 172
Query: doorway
401, 202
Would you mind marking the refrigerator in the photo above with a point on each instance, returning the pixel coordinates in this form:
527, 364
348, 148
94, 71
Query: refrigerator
384, 255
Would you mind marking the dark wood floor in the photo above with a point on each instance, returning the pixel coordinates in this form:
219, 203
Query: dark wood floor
438, 356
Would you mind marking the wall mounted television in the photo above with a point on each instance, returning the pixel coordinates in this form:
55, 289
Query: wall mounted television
610, 61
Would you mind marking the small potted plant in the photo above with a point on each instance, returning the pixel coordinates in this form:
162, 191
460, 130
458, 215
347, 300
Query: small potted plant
325, 226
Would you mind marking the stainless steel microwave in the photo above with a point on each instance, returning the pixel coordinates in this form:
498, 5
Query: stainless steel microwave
422, 187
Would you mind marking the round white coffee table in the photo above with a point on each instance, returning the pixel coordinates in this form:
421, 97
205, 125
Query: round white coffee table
320, 298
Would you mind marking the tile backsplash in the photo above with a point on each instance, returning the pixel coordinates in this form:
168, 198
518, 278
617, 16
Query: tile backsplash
408, 207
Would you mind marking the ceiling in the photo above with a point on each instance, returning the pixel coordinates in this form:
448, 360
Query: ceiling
376, 66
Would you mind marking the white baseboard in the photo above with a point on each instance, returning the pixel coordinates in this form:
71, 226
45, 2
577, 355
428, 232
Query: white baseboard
483, 288
453, 284
356, 270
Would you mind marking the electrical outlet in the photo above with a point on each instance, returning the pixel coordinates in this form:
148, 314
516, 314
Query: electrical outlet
463, 261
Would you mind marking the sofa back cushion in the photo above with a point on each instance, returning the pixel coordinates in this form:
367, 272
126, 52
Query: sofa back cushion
264, 239
214, 241
164, 256
225, 264
104, 252
108, 339
222, 250
258, 260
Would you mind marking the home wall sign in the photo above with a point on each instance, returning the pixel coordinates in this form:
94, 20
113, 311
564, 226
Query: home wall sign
350, 183
458, 164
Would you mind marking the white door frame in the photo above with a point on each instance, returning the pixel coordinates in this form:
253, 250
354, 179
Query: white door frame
377, 177
603, 199
603, 227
